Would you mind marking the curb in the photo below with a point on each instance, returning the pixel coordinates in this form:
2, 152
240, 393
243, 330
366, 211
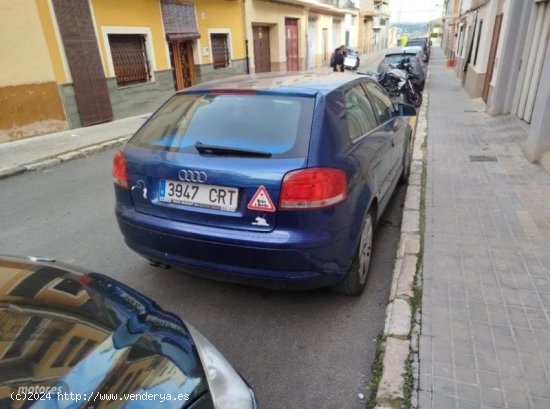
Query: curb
53, 160
402, 322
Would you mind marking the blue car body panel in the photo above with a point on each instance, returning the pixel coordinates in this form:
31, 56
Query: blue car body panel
290, 248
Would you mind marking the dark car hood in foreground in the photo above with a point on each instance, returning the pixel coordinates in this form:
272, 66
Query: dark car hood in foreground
87, 334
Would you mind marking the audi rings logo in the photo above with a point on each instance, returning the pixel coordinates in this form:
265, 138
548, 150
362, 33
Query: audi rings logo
192, 176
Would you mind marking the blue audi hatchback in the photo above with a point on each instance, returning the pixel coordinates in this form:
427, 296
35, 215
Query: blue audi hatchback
273, 179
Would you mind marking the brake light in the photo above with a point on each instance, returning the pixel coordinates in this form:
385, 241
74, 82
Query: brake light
313, 188
120, 176
85, 280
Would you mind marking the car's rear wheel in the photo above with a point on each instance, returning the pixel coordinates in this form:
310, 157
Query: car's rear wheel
415, 98
356, 278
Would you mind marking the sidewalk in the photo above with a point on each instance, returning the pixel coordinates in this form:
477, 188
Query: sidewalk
48, 150
485, 338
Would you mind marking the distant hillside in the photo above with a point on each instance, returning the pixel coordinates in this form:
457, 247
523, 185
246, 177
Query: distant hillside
411, 27
412, 30
438, 22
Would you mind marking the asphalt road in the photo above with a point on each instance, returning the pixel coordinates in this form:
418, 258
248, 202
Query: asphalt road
297, 349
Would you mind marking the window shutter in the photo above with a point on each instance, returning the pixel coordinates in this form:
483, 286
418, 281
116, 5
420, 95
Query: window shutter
79, 41
179, 18
129, 58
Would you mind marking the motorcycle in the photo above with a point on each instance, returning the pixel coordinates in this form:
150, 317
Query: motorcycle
397, 82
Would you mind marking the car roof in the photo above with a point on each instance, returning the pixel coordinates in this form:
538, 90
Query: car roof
95, 307
417, 43
295, 83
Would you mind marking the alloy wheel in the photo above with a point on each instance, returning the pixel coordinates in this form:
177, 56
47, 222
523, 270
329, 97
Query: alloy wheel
365, 249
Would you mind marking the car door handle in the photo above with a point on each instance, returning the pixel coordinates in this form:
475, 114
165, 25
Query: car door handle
392, 143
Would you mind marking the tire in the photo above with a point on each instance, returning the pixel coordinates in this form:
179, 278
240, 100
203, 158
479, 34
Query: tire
415, 98
356, 278
407, 158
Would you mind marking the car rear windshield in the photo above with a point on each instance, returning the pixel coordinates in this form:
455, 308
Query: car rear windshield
418, 43
278, 125
396, 58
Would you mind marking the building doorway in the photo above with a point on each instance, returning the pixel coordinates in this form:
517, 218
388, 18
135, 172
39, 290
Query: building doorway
312, 43
181, 57
262, 56
325, 44
492, 56
291, 31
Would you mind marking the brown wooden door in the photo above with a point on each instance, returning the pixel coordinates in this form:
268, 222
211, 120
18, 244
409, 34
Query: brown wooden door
262, 57
181, 57
291, 31
76, 27
492, 55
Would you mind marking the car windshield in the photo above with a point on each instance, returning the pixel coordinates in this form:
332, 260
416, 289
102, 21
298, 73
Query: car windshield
278, 125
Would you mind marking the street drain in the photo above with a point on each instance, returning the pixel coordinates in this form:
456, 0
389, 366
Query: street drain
483, 158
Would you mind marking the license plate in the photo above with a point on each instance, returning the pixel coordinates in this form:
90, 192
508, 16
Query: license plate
200, 195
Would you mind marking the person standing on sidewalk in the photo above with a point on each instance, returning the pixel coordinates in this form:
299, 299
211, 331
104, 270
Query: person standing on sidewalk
339, 55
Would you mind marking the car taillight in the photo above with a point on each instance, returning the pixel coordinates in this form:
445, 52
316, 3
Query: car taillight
313, 188
120, 176
85, 280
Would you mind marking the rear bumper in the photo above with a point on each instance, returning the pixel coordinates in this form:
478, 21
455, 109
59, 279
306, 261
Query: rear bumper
274, 259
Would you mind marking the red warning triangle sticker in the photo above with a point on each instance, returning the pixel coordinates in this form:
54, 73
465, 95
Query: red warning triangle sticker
261, 201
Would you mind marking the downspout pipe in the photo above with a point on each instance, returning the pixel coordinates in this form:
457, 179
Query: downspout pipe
247, 56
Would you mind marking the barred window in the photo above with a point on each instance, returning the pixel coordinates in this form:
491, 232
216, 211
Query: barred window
66, 351
129, 58
220, 50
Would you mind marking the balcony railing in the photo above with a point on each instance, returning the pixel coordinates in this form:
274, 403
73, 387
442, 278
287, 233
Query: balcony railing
478, 3
335, 3
347, 4
378, 22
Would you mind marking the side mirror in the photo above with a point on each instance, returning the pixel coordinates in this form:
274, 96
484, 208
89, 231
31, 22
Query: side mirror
405, 110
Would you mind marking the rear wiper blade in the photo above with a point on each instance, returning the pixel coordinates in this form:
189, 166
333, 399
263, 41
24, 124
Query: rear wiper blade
225, 150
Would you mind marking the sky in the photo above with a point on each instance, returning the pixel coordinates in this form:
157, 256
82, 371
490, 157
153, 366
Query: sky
415, 11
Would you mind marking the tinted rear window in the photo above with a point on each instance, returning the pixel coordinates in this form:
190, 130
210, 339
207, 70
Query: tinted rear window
279, 125
419, 43
396, 58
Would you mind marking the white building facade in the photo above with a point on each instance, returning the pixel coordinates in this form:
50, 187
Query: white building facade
297, 35
503, 56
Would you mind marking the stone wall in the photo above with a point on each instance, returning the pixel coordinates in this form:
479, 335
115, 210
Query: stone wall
206, 72
125, 101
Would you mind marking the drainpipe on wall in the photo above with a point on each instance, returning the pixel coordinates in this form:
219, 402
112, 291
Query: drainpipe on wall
247, 57
306, 11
